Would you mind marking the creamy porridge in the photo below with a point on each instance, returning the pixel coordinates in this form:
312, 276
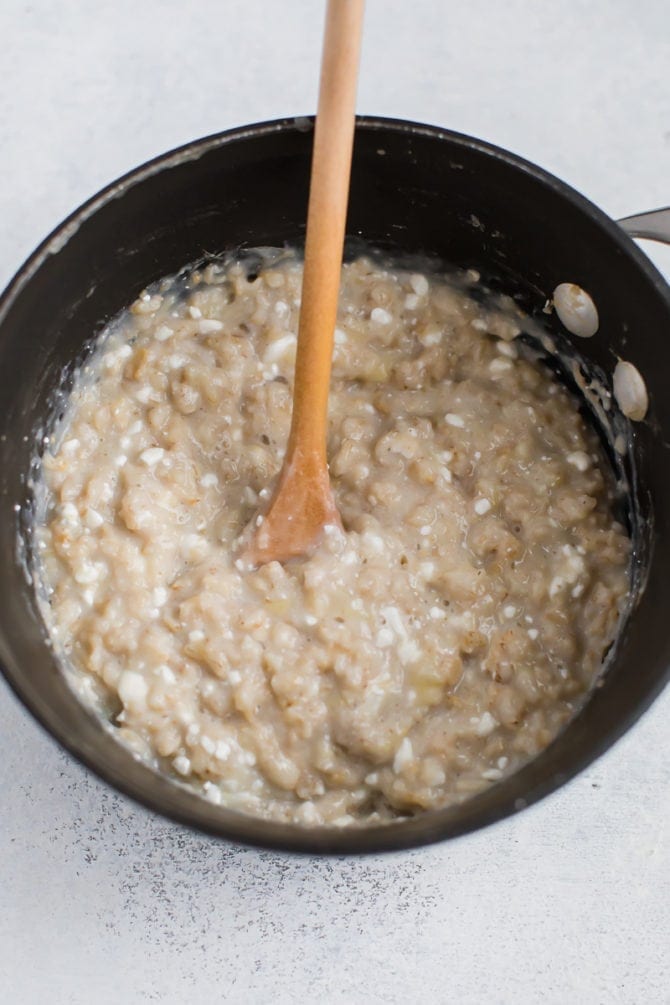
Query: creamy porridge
426, 652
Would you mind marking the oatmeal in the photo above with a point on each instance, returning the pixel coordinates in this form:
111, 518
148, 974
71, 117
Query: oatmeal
425, 652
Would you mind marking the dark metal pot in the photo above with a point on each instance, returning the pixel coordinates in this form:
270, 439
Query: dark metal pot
415, 188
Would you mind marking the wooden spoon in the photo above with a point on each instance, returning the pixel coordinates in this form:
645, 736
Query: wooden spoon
303, 504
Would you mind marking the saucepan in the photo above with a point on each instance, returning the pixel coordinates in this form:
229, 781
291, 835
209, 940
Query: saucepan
415, 190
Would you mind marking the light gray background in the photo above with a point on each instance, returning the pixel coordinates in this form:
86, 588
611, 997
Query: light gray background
568, 902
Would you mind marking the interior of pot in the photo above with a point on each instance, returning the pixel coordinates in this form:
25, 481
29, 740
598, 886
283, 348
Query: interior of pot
414, 190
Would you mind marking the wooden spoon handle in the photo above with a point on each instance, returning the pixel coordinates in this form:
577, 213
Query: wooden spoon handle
326, 219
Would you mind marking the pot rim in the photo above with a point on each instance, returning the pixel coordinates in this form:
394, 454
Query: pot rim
429, 827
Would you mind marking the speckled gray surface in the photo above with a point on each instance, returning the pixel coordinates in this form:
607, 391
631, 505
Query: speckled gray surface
568, 902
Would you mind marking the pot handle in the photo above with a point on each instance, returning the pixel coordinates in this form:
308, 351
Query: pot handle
654, 225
